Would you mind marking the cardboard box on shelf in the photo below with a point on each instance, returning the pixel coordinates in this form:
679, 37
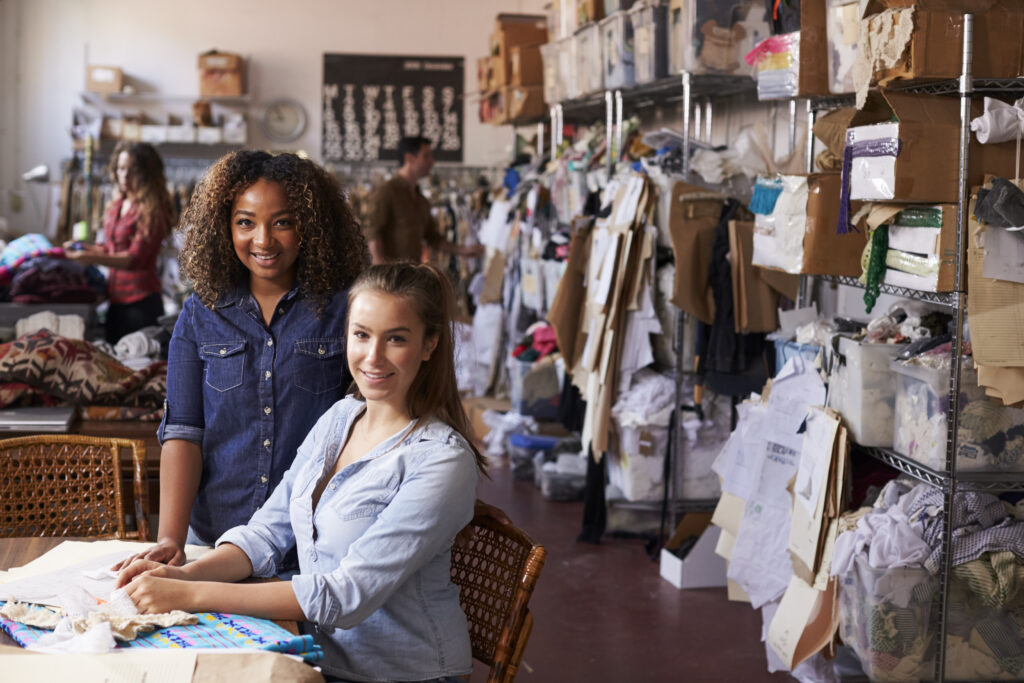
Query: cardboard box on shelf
522, 29
499, 73
589, 11
527, 67
483, 74
221, 74
813, 77
104, 79
526, 102
932, 47
825, 252
924, 133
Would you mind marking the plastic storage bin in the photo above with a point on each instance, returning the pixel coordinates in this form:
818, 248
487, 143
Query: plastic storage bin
522, 449
589, 66
893, 638
991, 437
561, 486
862, 389
536, 388
842, 26
617, 51
638, 468
612, 6
785, 349
650, 41
713, 36
554, 89
567, 68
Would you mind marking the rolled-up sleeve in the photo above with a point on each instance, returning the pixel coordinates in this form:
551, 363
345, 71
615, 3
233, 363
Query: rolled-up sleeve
434, 502
183, 408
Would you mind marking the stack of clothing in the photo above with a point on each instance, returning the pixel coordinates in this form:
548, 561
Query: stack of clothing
34, 271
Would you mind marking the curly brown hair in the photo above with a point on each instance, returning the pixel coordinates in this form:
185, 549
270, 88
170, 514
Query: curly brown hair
332, 251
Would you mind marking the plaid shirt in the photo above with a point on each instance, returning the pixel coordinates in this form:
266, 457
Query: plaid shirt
140, 278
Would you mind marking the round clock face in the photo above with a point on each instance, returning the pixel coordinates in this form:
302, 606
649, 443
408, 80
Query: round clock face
284, 120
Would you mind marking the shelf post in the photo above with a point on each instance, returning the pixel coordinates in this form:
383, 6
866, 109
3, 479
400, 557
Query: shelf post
686, 123
618, 126
792, 125
959, 301
553, 115
609, 122
540, 139
707, 120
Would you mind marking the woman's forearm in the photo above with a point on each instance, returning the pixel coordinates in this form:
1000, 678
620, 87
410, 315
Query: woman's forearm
181, 467
224, 563
272, 600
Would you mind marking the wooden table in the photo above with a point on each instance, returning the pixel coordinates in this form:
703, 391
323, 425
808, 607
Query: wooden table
15, 552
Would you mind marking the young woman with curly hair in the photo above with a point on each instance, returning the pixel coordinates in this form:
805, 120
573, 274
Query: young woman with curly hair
258, 352
134, 227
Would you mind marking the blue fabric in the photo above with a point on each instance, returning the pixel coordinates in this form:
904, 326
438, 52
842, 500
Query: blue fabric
249, 394
375, 554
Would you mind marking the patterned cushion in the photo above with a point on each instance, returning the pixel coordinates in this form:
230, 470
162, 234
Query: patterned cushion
77, 372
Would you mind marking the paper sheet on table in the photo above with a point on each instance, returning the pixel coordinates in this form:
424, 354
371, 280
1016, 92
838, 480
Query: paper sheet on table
494, 231
60, 577
152, 666
815, 459
997, 315
760, 561
805, 622
1004, 255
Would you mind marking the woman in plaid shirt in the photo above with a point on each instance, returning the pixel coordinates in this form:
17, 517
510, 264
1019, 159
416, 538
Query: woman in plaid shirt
135, 225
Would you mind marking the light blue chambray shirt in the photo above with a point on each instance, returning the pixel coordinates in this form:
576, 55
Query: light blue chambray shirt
375, 555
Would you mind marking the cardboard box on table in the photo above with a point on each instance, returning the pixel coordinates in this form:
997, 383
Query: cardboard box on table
925, 168
933, 49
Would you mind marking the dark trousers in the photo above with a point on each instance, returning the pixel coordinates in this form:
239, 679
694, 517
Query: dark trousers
124, 319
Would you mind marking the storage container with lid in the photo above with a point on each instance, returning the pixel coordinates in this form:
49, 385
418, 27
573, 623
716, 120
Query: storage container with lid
862, 390
589, 66
617, 51
650, 41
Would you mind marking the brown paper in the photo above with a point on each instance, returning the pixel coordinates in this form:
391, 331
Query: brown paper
813, 76
825, 252
831, 129
1005, 384
755, 303
494, 277
566, 314
806, 621
692, 223
997, 316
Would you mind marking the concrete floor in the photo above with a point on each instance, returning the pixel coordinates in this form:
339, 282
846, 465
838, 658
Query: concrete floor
603, 613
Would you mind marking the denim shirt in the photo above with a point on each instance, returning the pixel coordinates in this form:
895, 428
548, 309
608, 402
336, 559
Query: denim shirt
248, 394
375, 554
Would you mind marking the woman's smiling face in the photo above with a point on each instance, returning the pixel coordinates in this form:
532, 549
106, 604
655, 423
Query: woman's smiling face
265, 233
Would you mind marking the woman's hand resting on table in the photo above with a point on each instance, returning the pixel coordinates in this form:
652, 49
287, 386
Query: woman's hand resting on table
166, 551
156, 588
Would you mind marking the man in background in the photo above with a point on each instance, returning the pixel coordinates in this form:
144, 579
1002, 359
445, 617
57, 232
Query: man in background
400, 224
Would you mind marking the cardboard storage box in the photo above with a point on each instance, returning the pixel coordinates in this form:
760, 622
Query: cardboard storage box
475, 406
221, 74
923, 165
483, 74
825, 252
525, 102
527, 67
944, 249
933, 49
589, 11
104, 79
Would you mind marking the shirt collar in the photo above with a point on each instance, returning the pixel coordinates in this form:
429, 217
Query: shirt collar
240, 293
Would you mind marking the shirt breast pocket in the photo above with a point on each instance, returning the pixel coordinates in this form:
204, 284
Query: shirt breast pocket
374, 493
224, 364
320, 364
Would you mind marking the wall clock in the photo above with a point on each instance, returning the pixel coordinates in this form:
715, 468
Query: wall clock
284, 120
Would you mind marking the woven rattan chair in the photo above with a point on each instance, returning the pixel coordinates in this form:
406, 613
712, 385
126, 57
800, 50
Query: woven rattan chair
496, 573
69, 485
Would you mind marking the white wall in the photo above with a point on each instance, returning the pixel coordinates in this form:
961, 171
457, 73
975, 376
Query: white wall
46, 44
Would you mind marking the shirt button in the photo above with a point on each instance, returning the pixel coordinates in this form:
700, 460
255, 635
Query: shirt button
280, 311
264, 479
266, 442
267, 374
223, 351
321, 351
334, 486
270, 342
267, 410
